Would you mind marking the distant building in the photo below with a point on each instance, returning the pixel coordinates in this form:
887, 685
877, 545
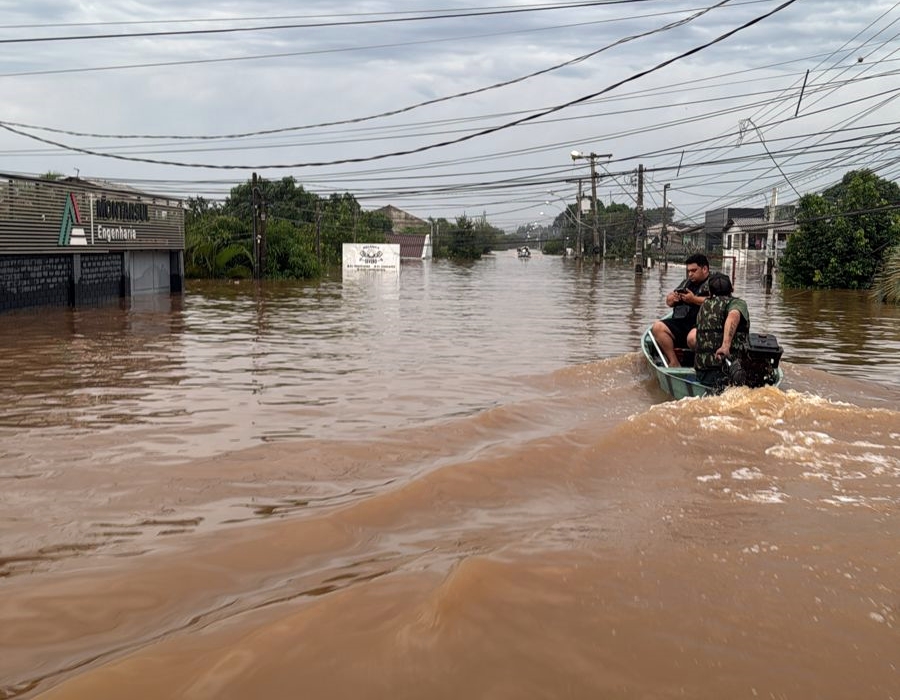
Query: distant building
413, 246
76, 242
410, 232
743, 232
711, 238
674, 232
403, 222
747, 237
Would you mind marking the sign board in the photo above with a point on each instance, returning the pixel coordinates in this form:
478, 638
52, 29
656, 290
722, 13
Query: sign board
39, 217
371, 256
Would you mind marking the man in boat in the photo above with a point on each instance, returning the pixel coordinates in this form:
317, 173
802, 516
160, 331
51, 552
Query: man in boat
685, 300
722, 333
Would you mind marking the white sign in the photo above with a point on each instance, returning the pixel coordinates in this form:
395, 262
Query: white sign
371, 256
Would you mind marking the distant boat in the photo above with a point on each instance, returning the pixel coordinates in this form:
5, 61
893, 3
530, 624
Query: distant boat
760, 367
523, 252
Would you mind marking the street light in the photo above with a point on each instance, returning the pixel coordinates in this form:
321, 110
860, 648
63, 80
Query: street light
576, 155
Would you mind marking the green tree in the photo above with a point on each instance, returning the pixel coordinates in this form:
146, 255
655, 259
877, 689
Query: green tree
555, 246
217, 247
196, 208
618, 221
462, 240
441, 237
290, 253
284, 199
843, 234
305, 233
887, 281
564, 231
486, 236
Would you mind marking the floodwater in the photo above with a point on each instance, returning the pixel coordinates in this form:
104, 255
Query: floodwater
459, 482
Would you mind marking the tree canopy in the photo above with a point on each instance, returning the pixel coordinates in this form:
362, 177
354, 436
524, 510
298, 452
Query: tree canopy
304, 232
844, 234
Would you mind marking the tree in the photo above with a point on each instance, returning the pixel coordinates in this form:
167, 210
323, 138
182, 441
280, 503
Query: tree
196, 208
441, 240
305, 233
486, 235
565, 228
843, 234
462, 240
618, 222
887, 281
216, 247
290, 254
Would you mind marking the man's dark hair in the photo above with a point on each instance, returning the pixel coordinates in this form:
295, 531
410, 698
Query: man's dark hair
720, 285
698, 259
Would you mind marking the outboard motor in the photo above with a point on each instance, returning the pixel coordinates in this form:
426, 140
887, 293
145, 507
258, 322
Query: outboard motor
757, 365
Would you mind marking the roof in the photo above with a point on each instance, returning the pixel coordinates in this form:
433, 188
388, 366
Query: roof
759, 224
412, 245
401, 219
88, 184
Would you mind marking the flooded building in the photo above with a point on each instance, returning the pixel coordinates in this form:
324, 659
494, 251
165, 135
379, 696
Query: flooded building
411, 233
747, 233
79, 242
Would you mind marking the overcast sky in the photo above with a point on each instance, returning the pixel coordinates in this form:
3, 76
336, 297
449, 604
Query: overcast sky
488, 101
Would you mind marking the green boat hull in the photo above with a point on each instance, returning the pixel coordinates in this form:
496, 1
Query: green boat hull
680, 382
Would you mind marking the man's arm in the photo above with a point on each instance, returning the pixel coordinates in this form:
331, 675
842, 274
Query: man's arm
691, 298
731, 323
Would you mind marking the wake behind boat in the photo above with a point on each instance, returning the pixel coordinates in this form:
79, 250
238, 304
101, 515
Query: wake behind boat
757, 366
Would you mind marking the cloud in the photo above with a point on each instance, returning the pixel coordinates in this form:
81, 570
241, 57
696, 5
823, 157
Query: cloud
359, 66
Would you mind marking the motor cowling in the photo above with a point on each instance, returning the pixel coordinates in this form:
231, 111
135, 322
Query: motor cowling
756, 365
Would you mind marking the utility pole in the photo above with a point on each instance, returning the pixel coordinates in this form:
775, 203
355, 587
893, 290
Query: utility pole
579, 234
596, 248
639, 225
770, 241
664, 231
262, 237
594, 224
318, 233
254, 204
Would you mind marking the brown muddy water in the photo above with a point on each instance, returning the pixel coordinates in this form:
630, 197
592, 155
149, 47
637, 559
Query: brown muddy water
456, 483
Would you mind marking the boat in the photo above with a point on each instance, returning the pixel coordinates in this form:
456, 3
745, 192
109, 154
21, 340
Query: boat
523, 252
759, 367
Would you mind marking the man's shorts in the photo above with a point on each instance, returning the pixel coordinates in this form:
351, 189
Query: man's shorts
680, 327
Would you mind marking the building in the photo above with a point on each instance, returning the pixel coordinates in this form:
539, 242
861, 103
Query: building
410, 232
711, 238
675, 234
79, 242
744, 232
413, 246
403, 222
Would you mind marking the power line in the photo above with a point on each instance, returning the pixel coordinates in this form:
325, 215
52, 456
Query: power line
320, 25
428, 147
408, 108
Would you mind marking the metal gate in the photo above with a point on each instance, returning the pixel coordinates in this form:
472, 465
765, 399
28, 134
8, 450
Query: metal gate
150, 272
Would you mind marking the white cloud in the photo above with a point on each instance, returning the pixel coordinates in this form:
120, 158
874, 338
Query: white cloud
347, 72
